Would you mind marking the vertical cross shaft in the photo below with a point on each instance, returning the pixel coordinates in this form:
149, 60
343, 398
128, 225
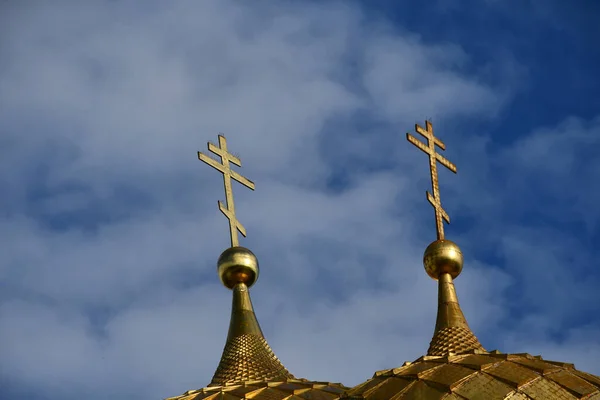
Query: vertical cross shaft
434, 158
225, 168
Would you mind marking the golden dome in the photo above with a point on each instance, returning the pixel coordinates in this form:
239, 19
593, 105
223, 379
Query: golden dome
456, 365
248, 368
479, 375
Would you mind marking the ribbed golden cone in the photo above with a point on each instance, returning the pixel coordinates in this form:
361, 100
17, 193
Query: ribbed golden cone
247, 355
452, 333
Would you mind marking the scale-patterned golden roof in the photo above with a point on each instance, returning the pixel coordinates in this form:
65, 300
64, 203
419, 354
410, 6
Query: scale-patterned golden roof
480, 375
289, 389
247, 355
456, 365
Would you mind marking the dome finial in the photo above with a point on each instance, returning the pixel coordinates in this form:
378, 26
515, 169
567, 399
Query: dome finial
443, 261
434, 158
456, 365
247, 355
237, 265
225, 168
443, 256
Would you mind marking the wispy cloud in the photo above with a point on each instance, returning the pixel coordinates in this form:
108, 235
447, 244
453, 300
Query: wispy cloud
110, 227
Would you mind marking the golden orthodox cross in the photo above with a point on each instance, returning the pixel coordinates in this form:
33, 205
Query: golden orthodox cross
228, 174
434, 157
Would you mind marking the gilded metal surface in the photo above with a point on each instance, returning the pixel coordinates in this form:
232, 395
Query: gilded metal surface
434, 158
443, 261
456, 367
453, 339
443, 256
237, 265
479, 375
287, 389
452, 333
248, 368
225, 168
243, 320
247, 355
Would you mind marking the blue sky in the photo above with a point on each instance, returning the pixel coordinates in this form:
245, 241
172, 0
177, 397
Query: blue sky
109, 223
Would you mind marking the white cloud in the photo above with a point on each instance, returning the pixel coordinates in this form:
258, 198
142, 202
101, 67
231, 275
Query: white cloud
102, 108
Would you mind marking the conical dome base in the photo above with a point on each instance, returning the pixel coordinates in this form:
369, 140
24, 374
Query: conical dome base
247, 355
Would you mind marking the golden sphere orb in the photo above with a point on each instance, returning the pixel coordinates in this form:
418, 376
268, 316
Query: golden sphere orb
443, 256
237, 265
